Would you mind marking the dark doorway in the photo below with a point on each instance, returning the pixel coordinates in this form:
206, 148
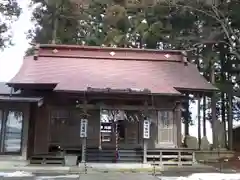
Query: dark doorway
121, 129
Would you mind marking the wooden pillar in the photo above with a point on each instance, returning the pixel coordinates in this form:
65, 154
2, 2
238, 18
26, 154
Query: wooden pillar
199, 121
186, 122
3, 129
145, 141
100, 134
84, 144
144, 151
179, 124
213, 108
84, 127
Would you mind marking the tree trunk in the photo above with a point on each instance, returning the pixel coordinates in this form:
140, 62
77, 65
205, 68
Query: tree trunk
199, 123
213, 107
223, 114
230, 123
204, 112
230, 116
223, 80
204, 116
55, 24
199, 104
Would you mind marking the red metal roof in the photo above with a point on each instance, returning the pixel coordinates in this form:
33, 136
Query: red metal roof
75, 68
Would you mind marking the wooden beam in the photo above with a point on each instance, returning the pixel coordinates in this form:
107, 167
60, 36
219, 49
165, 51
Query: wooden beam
122, 107
179, 123
186, 121
116, 96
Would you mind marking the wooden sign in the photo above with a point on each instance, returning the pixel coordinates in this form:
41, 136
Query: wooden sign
83, 128
146, 129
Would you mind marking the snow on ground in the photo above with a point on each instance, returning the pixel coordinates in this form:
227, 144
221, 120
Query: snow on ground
213, 176
195, 176
15, 174
19, 175
70, 176
205, 176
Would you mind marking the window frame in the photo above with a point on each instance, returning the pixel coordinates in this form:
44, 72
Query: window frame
5, 113
170, 114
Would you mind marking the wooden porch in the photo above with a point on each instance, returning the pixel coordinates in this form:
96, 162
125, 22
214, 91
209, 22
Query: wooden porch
171, 157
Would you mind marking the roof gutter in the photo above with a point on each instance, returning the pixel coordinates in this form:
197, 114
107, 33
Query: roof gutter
38, 100
122, 92
198, 89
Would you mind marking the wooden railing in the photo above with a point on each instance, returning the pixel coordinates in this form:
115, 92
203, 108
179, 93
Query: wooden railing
171, 157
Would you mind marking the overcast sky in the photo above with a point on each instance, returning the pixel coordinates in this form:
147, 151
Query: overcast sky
11, 58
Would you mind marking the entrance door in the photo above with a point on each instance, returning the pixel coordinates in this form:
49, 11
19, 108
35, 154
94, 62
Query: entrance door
165, 129
112, 128
107, 127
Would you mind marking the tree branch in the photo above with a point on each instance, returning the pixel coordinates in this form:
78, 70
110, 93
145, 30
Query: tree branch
225, 26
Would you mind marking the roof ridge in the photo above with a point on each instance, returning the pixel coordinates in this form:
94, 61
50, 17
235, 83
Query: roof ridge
91, 52
109, 58
85, 47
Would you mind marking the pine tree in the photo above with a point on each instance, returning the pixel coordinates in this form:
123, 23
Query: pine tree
56, 22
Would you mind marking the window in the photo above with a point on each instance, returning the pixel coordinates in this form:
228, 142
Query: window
13, 132
165, 118
165, 127
11, 124
1, 130
134, 2
1, 121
